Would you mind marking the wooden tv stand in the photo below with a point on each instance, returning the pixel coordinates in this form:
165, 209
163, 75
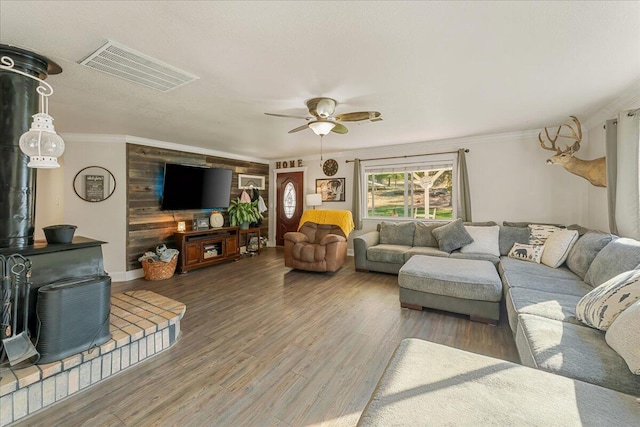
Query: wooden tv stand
202, 248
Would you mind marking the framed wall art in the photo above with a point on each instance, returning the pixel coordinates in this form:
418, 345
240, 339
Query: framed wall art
246, 182
332, 189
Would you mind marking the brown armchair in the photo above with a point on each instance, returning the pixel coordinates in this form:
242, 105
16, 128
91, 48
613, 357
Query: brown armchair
315, 247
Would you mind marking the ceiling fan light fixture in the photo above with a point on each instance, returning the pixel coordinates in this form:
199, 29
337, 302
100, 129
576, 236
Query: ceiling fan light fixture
321, 128
325, 107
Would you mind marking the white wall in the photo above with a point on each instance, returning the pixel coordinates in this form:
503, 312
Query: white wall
49, 198
509, 179
106, 220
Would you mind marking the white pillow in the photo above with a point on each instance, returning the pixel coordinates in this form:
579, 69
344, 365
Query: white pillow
600, 307
486, 240
624, 337
531, 253
557, 247
540, 233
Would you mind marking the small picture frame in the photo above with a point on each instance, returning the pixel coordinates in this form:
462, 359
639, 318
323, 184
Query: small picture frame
94, 188
332, 189
246, 182
202, 223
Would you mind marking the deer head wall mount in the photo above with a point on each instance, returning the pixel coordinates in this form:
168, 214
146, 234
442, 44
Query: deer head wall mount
593, 171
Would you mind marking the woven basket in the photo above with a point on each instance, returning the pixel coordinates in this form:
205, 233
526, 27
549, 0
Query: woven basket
159, 270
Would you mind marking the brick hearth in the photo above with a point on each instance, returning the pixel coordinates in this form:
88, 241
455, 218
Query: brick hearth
143, 324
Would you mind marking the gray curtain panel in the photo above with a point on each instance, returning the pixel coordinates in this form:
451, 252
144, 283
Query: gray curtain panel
464, 195
611, 151
627, 212
356, 210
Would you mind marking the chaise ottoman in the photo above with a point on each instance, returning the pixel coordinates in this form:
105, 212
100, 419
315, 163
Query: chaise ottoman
428, 384
464, 286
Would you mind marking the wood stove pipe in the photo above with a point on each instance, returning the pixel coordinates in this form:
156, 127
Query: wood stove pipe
18, 102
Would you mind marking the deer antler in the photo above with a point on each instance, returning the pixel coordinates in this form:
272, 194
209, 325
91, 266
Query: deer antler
576, 135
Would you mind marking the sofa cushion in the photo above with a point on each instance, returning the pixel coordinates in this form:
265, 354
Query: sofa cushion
511, 235
428, 384
485, 240
397, 233
424, 250
550, 305
573, 351
600, 307
480, 223
530, 253
618, 256
624, 337
423, 234
481, 257
540, 270
387, 253
585, 250
452, 236
580, 229
568, 286
557, 247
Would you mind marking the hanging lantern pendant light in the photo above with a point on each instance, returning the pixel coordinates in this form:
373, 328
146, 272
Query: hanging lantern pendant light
41, 142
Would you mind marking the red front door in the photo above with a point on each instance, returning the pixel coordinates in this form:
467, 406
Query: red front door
289, 203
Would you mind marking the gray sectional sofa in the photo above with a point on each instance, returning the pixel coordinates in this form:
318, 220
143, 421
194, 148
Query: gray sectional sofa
387, 249
540, 300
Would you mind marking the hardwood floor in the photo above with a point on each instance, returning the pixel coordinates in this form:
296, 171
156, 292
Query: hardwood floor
265, 345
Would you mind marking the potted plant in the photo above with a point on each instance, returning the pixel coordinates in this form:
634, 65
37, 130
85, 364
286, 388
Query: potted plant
242, 214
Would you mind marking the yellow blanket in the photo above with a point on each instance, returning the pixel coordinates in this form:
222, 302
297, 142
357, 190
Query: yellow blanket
342, 219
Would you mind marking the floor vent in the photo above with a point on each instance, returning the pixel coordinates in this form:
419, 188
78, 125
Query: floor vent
121, 61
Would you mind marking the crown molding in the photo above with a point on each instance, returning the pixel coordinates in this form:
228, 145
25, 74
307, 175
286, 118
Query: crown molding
426, 147
93, 137
629, 99
108, 138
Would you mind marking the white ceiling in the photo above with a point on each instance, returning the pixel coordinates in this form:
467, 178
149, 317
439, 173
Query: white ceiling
435, 70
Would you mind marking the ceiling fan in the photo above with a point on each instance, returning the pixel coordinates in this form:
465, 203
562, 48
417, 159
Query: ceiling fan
322, 121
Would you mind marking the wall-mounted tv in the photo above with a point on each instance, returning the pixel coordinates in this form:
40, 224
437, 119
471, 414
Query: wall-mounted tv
194, 187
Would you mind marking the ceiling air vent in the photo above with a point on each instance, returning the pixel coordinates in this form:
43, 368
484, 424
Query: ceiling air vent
126, 63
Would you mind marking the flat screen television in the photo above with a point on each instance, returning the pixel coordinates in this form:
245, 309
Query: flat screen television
194, 187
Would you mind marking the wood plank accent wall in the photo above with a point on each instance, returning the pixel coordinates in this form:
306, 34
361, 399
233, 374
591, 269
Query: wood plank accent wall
147, 225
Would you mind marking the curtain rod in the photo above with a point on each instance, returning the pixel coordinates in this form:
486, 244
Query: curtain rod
466, 150
629, 114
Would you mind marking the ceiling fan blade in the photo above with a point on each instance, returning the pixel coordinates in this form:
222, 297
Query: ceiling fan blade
299, 128
338, 128
288, 116
359, 116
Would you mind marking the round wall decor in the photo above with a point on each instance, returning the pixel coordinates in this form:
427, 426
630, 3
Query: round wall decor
330, 167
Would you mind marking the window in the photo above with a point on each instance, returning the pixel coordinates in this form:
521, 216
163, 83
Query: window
289, 201
418, 190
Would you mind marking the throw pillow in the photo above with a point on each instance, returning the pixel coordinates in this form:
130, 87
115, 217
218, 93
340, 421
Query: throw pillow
452, 236
532, 253
540, 233
600, 307
525, 224
511, 235
624, 337
485, 240
397, 233
557, 247
585, 250
423, 235
618, 256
